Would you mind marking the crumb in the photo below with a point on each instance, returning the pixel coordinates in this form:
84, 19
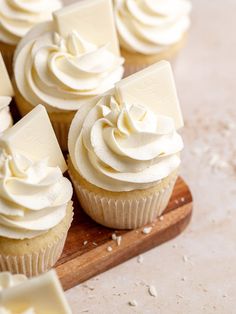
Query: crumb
152, 291
109, 249
85, 242
176, 202
94, 243
185, 258
182, 199
133, 303
161, 218
118, 240
147, 230
140, 259
183, 278
113, 236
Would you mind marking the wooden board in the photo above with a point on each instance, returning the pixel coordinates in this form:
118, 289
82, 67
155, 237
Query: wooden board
80, 262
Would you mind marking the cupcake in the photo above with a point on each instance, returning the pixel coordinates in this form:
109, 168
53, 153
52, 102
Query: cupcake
35, 198
64, 72
17, 18
150, 31
41, 295
6, 93
124, 157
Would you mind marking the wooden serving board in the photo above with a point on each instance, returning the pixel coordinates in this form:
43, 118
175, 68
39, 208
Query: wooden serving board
81, 261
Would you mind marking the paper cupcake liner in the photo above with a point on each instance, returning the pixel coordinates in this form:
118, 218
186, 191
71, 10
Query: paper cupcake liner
35, 263
41, 259
124, 213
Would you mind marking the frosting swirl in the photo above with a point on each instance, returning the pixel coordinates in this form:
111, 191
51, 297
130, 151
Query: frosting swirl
63, 73
151, 26
17, 17
123, 147
5, 116
33, 196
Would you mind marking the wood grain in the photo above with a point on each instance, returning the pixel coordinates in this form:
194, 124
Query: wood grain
81, 261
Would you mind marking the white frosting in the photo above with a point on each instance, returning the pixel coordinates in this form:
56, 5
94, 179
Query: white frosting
150, 26
122, 147
33, 196
17, 17
63, 73
5, 115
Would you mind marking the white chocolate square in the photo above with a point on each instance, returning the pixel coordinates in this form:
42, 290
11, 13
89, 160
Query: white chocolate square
44, 294
6, 88
153, 87
94, 21
34, 137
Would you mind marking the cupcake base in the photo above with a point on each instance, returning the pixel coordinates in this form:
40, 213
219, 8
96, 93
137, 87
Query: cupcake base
32, 257
60, 120
123, 210
135, 62
7, 52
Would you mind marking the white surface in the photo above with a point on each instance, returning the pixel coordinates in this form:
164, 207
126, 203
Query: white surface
194, 273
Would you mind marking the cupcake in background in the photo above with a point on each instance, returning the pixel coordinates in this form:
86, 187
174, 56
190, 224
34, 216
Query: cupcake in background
17, 18
150, 31
35, 198
124, 151
41, 295
66, 70
6, 93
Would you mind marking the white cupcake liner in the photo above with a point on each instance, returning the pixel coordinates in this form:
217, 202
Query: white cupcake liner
35, 263
124, 213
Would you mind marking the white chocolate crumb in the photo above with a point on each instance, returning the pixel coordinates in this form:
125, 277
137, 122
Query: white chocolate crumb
176, 201
118, 240
85, 242
182, 199
147, 230
114, 237
133, 303
161, 218
94, 243
109, 249
152, 291
185, 258
140, 259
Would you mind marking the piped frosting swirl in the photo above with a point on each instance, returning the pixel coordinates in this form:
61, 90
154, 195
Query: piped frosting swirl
33, 196
151, 26
63, 73
123, 147
17, 17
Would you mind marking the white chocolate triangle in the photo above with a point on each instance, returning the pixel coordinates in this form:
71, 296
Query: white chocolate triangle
44, 294
153, 87
94, 21
34, 137
6, 88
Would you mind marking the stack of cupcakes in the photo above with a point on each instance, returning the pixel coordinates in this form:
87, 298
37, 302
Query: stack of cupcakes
121, 134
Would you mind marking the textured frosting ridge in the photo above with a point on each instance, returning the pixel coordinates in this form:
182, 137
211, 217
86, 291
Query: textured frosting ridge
151, 26
19, 16
123, 147
63, 73
5, 115
33, 196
